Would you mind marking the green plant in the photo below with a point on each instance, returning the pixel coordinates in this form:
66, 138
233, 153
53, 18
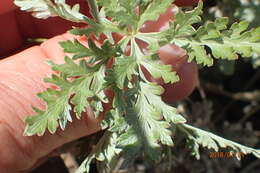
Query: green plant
241, 10
139, 121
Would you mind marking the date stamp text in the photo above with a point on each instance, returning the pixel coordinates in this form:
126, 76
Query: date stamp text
227, 155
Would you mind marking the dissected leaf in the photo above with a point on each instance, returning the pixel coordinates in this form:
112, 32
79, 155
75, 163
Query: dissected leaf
157, 70
153, 10
75, 47
153, 92
124, 68
46, 8
224, 43
138, 122
105, 153
212, 141
58, 108
121, 11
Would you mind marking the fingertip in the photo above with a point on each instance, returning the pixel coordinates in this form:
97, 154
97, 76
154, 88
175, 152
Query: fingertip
51, 27
26, 25
9, 32
7, 6
188, 74
56, 25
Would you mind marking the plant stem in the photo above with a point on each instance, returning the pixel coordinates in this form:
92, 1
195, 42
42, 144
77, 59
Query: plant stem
94, 9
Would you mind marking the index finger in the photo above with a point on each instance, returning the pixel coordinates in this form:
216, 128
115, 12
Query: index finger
6, 6
9, 32
17, 26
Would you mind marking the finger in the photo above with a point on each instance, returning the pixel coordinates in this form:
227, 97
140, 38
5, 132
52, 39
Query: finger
20, 25
9, 33
20, 80
55, 25
188, 74
6, 6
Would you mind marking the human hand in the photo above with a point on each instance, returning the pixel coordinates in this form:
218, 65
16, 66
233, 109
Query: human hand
21, 79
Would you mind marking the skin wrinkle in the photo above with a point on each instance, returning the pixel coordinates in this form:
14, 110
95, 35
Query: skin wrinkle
31, 71
27, 80
35, 140
15, 99
26, 155
27, 85
11, 162
49, 142
41, 85
14, 91
28, 143
32, 80
10, 97
16, 120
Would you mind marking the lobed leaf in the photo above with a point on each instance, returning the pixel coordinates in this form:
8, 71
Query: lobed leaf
212, 141
58, 101
121, 11
76, 48
157, 70
105, 153
153, 11
153, 92
47, 8
124, 68
70, 68
139, 121
224, 43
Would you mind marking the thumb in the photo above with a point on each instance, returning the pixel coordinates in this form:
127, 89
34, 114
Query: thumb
20, 80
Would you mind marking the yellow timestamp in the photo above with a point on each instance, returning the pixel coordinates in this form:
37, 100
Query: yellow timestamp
239, 155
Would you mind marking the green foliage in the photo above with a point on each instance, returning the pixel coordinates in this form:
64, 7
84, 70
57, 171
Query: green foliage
139, 122
158, 70
153, 10
242, 10
103, 26
75, 47
88, 85
182, 25
45, 8
224, 43
211, 141
121, 11
105, 152
125, 11
124, 68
